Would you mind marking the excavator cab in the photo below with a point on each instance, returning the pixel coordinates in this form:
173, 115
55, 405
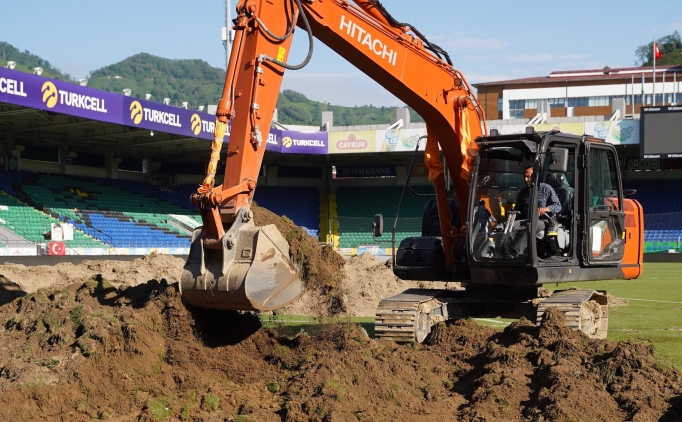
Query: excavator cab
506, 193
582, 237
506, 241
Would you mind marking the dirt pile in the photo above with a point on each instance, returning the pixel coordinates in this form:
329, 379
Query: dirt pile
141, 270
354, 289
321, 267
366, 280
91, 350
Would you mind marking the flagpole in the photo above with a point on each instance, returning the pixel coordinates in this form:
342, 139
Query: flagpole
633, 94
642, 99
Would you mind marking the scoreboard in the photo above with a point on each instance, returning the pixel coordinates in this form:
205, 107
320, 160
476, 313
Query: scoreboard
661, 132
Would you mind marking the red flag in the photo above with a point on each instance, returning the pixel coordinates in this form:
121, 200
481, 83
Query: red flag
56, 248
657, 52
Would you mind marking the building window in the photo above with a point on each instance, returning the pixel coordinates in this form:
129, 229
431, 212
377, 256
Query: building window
577, 102
598, 101
516, 108
638, 99
500, 104
557, 102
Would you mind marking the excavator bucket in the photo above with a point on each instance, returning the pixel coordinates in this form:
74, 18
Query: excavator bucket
251, 272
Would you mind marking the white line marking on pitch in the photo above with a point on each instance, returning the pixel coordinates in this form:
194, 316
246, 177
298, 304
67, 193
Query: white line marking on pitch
650, 300
492, 320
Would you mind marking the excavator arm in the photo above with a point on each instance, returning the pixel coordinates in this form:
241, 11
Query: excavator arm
394, 54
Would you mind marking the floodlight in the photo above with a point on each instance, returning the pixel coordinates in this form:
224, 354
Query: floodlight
147, 96
201, 108
83, 81
166, 101
11, 65
185, 104
38, 71
127, 92
151, 133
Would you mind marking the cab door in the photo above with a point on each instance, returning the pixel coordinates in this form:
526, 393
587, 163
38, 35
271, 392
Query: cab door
604, 241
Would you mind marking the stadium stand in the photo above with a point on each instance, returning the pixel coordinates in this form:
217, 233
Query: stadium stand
119, 213
662, 203
32, 225
300, 204
356, 208
123, 213
132, 214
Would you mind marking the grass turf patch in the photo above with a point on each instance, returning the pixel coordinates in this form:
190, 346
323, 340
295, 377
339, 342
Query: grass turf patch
652, 316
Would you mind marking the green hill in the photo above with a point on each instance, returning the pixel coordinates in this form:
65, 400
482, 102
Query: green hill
193, 81
296, 108
198, 83
27, 61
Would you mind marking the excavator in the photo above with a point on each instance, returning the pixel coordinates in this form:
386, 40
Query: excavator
473, 231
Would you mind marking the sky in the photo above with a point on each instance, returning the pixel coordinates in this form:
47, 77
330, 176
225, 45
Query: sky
487, 40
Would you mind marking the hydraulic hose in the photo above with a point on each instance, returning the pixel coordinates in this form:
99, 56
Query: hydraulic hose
289, 32
263, 57
433, 47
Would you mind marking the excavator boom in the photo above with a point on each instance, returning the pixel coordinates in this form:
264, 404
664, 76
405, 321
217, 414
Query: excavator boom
222, 266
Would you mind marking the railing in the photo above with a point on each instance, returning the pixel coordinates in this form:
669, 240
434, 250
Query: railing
18, 232
13, 243
364, 225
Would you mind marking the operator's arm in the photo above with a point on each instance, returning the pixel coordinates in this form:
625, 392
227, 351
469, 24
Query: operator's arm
550, 199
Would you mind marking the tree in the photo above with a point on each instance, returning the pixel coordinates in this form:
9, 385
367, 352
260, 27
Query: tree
670, 46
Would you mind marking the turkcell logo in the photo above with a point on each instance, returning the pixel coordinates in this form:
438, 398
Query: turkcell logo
52, 96
139, 113
197, 125
136, 112
288, 142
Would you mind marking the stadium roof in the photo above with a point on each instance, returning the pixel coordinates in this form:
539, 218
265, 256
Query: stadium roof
588, 75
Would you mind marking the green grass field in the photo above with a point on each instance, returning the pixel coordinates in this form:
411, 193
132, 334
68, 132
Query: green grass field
653, 315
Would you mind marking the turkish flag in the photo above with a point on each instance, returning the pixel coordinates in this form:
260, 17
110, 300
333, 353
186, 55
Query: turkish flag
657, 52
56, 248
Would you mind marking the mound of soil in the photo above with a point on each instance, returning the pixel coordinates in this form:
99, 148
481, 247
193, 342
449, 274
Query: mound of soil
141, 270
366, 280
321, 267
91, 350
354, 289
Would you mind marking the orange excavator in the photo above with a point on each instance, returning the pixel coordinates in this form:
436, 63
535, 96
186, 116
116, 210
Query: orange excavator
473, 231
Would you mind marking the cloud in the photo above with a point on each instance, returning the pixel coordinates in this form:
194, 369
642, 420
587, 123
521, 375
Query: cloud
346, 89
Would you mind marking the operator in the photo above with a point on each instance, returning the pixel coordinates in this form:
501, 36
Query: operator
548, 202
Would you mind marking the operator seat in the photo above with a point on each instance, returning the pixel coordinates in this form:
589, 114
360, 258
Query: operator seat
563, 190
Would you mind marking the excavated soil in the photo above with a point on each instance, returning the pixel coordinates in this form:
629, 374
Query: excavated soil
113, 340
89, 350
